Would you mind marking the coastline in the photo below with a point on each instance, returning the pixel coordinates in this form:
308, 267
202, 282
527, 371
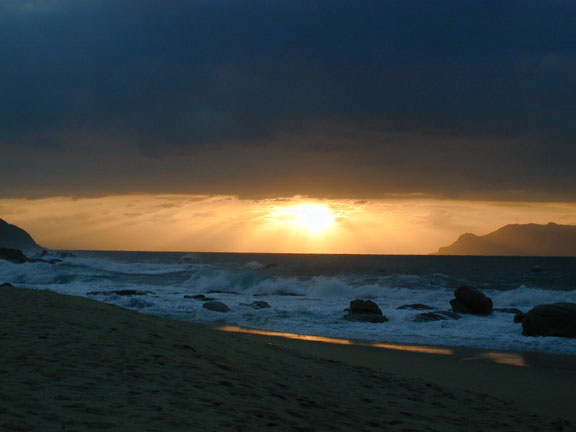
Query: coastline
71, 363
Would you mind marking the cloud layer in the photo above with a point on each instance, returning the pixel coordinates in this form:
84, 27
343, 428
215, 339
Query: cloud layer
472, 99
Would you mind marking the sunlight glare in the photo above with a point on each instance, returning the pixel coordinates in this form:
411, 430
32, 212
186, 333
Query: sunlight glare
313, 218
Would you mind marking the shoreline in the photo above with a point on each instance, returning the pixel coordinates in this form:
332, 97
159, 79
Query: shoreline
535, 359
71, 363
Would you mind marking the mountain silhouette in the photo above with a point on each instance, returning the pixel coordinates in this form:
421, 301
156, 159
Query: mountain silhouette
14, 237
517, 240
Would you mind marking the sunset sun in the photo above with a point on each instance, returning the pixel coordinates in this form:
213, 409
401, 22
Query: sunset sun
312, 218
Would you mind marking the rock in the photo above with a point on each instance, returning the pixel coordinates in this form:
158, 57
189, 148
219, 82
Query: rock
61, 255
364, 306
557, 319
365, 311
7, 285
216, 306
415, 306
13, 255
17, 257
436, 316
471, 301
519, 317
508, 310
256, 305
120, 292
200, 297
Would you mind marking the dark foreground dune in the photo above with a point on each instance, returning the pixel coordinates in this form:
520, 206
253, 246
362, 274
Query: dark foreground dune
72, 364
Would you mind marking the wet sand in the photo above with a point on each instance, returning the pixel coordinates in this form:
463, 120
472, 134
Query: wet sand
73, 364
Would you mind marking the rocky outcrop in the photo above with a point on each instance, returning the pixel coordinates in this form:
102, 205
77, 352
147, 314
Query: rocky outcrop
518, 240
13, 237
16, 256
200, 297
557, 319
13, 255
471, 301
436, 316
216, 306
365, 311
259, 304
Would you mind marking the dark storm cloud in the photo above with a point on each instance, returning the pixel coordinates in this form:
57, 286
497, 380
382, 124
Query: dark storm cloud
460, 98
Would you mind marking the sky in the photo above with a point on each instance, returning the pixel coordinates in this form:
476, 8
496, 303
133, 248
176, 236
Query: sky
448, 107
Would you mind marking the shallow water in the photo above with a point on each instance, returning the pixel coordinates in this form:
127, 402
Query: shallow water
308, 293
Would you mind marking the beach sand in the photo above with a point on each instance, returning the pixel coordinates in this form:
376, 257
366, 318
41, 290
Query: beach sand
74, 364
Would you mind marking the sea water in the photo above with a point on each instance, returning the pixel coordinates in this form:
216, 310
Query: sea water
308, 293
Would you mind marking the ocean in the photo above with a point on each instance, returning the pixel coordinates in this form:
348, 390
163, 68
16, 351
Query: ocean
307, 294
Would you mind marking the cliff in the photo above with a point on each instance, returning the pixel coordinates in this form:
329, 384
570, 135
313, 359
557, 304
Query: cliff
517, 240
14, 237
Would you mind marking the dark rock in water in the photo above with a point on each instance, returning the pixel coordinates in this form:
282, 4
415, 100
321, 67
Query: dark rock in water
17, 257
257, 305
557, 319
508, 310
12, 236
200, 297
365, 311
537, 269
364, 306
436, 316
270, 266
7, 285
13, 255
216, 306
471, 301
120, 292
65, 255
60, 255
415, 306
519, 317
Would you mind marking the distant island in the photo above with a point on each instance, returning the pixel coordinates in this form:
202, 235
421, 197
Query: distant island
517, 240
14, 237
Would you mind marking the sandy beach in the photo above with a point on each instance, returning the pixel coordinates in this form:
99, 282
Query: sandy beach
73, 364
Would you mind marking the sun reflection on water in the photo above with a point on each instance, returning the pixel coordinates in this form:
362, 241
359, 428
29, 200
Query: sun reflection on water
309, 338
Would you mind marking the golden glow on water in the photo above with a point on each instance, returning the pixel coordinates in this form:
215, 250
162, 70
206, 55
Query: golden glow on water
413, 348
505, 358
398, 347
512, 359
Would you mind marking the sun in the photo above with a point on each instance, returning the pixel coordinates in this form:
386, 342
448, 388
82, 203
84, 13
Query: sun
312, 218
